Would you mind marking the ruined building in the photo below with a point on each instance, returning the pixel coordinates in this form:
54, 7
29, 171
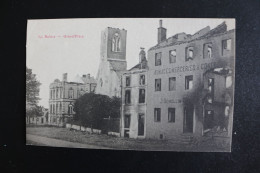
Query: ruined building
112, 62
63, 95
134, 102
188, 87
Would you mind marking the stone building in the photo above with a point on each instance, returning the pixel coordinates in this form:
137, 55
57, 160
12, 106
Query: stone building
134, 89
186, 94
112, 61
63, 95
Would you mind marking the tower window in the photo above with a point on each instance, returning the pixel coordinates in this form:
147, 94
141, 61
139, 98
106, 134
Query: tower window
116, 43
188, 82
172, 56
158, 59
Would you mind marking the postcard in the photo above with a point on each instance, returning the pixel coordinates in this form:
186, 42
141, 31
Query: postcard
150, 84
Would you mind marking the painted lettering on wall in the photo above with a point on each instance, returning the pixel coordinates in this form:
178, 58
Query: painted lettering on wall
164, 100
193, 67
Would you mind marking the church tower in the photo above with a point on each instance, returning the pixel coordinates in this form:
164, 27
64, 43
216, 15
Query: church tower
112, 61
113, 47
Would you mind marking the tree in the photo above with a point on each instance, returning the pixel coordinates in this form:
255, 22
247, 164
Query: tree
36, 111
92, 108
32, 87
32, 94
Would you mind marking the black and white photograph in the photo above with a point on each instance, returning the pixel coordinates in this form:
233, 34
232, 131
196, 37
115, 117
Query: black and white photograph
148, 84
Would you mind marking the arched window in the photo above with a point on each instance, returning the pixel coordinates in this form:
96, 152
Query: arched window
116, 43
70, 108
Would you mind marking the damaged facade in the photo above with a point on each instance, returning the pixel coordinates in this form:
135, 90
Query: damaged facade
63, 95
185, 93
113, 62
134, 102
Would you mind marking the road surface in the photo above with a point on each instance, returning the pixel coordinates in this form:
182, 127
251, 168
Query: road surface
45, 141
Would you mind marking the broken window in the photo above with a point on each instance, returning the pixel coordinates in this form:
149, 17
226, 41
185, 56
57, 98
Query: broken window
172, 83
189, 54
127, 97
207, 50
157, 84
127, 120
188, 82
172, 56
171, 114
142, 80
116, 43
127, 81
227, 111
211, 90
142, 96
157, 114
228, 81
226, 46
209, 119
158, 57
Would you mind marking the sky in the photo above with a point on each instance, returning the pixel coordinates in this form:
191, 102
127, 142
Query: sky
49, 58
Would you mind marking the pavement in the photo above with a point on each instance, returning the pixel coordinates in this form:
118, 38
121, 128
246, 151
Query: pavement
45, 141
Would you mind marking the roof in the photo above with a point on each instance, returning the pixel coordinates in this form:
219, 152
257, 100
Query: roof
88, 80
201, 34
77, 79
138, 66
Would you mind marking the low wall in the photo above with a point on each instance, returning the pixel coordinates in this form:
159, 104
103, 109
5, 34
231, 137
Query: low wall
114, 134
87, 129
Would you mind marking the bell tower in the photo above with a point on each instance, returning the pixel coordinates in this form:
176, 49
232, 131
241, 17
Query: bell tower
113, 47
112, 61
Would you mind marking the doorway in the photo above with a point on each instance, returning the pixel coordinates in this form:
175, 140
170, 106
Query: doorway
188, 119
140, 124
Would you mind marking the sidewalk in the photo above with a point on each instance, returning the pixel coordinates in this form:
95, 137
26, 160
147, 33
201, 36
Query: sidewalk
60, 143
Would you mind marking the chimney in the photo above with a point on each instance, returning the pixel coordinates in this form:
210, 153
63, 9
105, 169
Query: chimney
65, 77
142, 59
161, 33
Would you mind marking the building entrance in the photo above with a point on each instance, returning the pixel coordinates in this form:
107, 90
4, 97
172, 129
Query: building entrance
140, 124
188, 119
